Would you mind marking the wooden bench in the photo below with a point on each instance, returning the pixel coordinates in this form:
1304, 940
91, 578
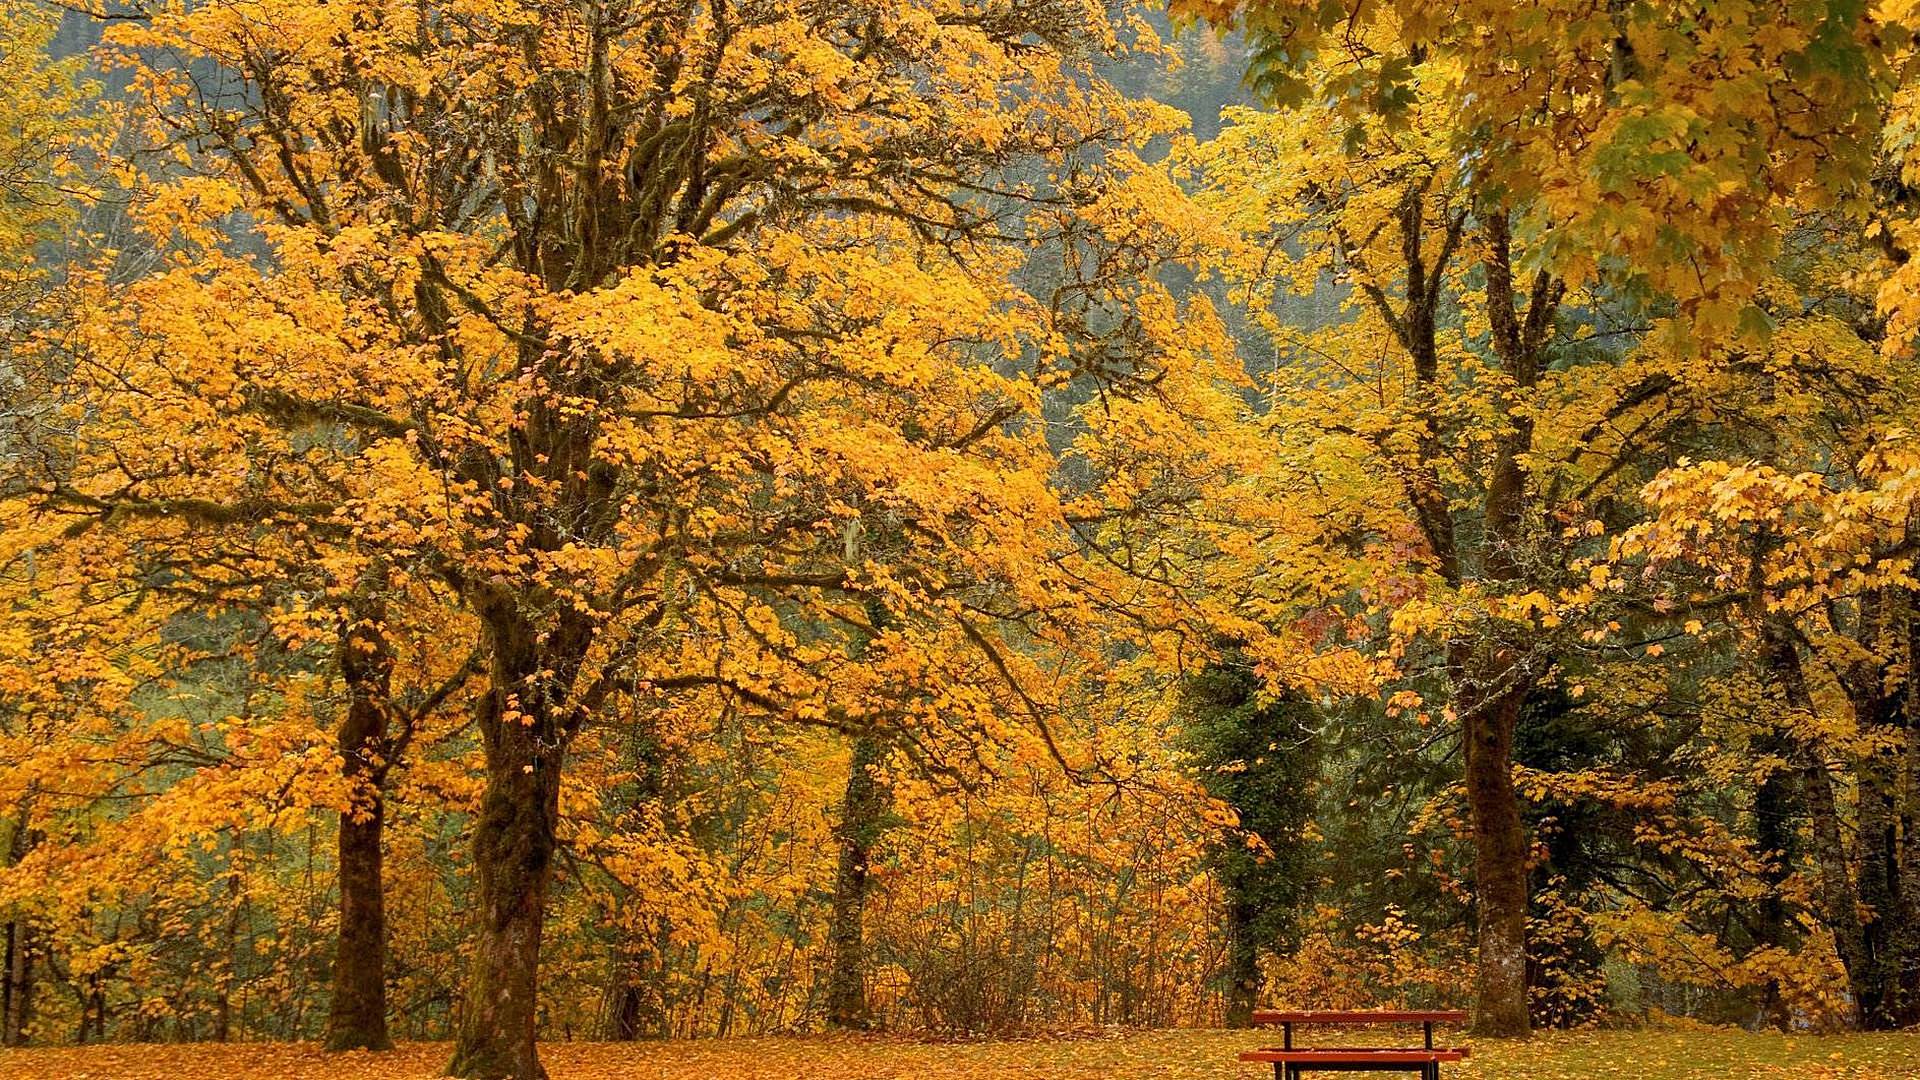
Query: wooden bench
1290, 1062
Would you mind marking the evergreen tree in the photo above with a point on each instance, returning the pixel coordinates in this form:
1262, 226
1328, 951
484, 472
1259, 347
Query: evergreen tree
1256, 754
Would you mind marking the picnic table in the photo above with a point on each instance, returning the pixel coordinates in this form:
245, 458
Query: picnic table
1289, 1061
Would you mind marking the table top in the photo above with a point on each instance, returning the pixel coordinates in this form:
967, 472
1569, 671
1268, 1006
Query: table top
1359, 1016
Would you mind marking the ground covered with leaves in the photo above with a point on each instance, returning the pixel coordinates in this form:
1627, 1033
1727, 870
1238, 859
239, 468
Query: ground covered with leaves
1165, 1055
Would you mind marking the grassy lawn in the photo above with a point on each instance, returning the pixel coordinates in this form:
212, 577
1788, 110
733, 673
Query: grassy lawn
1164, 1055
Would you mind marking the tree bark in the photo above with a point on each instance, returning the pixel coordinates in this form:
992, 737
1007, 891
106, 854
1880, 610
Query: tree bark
1905, 1010
863, 810
1887, 938
1877, 854
1837, 901
636, 1004
357, 1018
514, 843
1773, 842
18, 1012
514, 846
1499, 861
1496, 678
1883, 706
17, 977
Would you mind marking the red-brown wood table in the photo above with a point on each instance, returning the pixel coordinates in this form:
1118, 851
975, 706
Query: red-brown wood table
1290, 1062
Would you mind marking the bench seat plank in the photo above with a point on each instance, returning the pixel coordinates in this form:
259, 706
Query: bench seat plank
1358, 1016
1422, 1051
1343, 1055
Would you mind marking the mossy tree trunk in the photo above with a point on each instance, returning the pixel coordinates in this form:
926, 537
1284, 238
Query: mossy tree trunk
526, 719
863, 812
357, 1016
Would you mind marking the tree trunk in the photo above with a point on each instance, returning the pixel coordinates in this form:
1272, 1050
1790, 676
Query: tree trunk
636, 1000
1878, 715
17, 978
634, 1004
514, 841
93, 1010
1906, 1007
1889, 792
625, 999
514, 845
1243, 967
1838, 904
19, 984
357, 1019
1496, 686
1772, 841
1902, 934
863, 811
1883, 936
223, 1005
1499, 860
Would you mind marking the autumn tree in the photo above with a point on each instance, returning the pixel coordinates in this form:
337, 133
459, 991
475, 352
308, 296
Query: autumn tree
258, 541
1653, 172
1782, 560
1807, 573
43, 128
376, 730
201, 610
610, 318
1402, 224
